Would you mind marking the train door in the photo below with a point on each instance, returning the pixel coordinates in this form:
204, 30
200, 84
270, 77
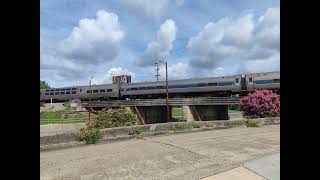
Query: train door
243, 83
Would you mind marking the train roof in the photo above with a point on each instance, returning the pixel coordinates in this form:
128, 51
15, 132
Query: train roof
179, 80
209, 78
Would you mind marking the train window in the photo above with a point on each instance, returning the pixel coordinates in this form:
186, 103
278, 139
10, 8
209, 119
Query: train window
237, 80
276, 81
51, 93
68, 89
51, 90
150, 87
47, 90
225, 83
109, 90
263, 81
73, 92
102, 90
62, 93
57, 89
74, 88
80, 90
68, 92
95, 91
201, 85
56, 93
212, 84
250, 79
134, 89
88, 91
62, 89
46, 94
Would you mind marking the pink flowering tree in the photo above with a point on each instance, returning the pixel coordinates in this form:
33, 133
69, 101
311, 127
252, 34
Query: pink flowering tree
260, 104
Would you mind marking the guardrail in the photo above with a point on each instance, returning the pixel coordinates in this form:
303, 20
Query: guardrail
162, 102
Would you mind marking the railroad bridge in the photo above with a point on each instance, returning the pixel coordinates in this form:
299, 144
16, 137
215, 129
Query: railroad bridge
155, 111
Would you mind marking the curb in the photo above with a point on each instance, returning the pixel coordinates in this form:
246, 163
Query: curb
129, 137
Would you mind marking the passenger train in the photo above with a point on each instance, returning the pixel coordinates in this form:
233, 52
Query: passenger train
213, 86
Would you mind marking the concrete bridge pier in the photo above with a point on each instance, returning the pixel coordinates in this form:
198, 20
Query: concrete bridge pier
205, 112
150, 114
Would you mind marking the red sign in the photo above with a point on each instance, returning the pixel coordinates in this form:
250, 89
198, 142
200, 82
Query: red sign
121, 79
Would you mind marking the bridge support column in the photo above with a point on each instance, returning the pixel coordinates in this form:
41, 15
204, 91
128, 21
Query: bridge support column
188, 114
151, 114
205, 112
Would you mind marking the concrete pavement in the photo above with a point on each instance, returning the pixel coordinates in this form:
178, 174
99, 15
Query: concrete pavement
268, 167
235, 174
180, 156
264, 168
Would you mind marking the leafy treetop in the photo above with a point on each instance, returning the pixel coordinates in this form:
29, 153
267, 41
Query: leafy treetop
44, 85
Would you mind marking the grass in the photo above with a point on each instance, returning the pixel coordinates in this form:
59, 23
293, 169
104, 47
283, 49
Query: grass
234, 111
55, 117
181, 126
196, 126
137, 132
252, 123
177, 112
235, 123
248, 123
272, 119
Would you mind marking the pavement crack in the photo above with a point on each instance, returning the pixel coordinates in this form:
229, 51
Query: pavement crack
183, 149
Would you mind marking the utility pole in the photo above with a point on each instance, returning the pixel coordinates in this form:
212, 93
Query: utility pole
90, 100
157, 71
119, 90
167, 91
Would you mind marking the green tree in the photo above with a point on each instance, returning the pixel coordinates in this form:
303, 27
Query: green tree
44, 85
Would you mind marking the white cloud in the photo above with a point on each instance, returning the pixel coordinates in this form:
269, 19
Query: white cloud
94, 40
179, 70
148, 8
242, 38
261, 65
268, 29
162, 46
182, 70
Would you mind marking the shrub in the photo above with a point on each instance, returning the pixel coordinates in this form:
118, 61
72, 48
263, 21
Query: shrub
113, 118
260, 104
90, 136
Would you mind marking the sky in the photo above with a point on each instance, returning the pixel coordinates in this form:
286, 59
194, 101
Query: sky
98, 39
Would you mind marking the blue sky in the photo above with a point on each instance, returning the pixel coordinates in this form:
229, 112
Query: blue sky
82, 38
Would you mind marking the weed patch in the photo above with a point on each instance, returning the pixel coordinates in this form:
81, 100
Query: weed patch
181, 126
91, 136
252, 123
235, 123
136, 131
